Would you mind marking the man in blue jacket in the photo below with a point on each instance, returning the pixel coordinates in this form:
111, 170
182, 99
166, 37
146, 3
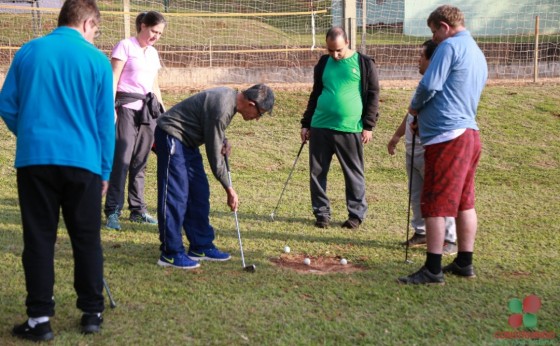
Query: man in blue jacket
57, 99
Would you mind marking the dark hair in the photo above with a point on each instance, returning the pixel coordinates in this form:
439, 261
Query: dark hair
74, 12
149, 19
262, 95
335, 32
447, 14
430, 48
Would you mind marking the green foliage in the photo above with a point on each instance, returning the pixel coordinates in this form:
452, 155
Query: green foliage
517, 251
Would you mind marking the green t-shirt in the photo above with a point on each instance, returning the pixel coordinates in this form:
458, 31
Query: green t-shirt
339, 106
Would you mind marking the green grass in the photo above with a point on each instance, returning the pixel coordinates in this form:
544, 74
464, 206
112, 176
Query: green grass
517, 250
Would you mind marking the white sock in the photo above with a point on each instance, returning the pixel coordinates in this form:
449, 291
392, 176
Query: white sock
33, 321
98, 314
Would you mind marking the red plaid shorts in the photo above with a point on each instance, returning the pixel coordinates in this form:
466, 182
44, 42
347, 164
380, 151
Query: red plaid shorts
449, 170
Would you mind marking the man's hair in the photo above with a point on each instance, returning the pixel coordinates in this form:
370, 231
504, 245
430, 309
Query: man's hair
262, 95
149, 19
448, 14
430, 48
74, 12
335, 32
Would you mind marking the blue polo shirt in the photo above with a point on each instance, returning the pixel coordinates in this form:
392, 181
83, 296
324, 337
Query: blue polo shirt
447, 96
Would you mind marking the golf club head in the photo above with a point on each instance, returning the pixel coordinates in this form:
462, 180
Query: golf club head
250, 269
272, 216
407, 261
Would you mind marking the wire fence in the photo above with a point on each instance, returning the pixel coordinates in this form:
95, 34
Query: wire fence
248, 41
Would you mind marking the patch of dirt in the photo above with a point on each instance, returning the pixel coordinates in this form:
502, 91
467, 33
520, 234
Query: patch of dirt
384, 84
319, 265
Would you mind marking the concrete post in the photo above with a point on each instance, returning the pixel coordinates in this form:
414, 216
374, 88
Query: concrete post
349, 21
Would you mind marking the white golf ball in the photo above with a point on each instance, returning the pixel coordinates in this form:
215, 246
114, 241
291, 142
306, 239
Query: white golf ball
286, 249
343, 261
307, 261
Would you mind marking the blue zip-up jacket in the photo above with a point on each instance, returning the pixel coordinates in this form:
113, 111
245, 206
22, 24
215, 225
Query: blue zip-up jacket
448, 94
58, 100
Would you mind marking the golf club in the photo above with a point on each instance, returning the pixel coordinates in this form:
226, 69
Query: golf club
251, 268
287, 180
111, 300
406, 260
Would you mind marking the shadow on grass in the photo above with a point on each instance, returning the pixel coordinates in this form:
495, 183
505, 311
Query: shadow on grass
10, 211
260, 217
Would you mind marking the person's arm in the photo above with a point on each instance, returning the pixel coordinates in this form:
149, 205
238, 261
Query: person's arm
399, 132
232, 199
216, 150
157, 92
105, 120
104, 187
117, 67
217, 115
434, 78
9, 105
315, 93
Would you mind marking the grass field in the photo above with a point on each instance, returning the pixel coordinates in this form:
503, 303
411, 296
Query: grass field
517, 249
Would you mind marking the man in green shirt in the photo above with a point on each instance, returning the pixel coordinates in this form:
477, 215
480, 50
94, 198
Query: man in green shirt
341, 113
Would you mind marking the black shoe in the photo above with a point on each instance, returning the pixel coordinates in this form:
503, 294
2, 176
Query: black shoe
416, 240
423, 277
41, 331
352, 223
449, 248
91, 323
322, 222
466, 272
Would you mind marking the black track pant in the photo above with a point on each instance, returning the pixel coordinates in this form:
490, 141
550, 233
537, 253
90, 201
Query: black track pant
43, 192
348, 148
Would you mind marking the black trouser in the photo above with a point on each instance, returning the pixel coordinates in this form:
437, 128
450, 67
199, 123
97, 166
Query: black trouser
132, 148
349, 150
43, 191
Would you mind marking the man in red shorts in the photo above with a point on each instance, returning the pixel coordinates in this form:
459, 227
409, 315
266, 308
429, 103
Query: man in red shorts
445, 103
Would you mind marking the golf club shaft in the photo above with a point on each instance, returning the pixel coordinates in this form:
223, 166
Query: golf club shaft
239, 236
289, 176
235, 214
111, 300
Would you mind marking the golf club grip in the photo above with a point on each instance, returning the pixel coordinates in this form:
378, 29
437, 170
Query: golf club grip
300, 148
227, 163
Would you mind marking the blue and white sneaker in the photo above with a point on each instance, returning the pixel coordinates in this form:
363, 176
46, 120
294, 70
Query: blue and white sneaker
212, 254
113, 221
180, 260
143, 218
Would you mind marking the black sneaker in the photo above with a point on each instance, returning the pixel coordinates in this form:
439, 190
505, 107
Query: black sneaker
91, 323
423, 277
416, 240
41, 331
352, 223
466, 272
322, 222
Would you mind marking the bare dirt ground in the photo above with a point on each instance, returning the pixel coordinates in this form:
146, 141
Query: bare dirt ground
319, 265
384, 84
